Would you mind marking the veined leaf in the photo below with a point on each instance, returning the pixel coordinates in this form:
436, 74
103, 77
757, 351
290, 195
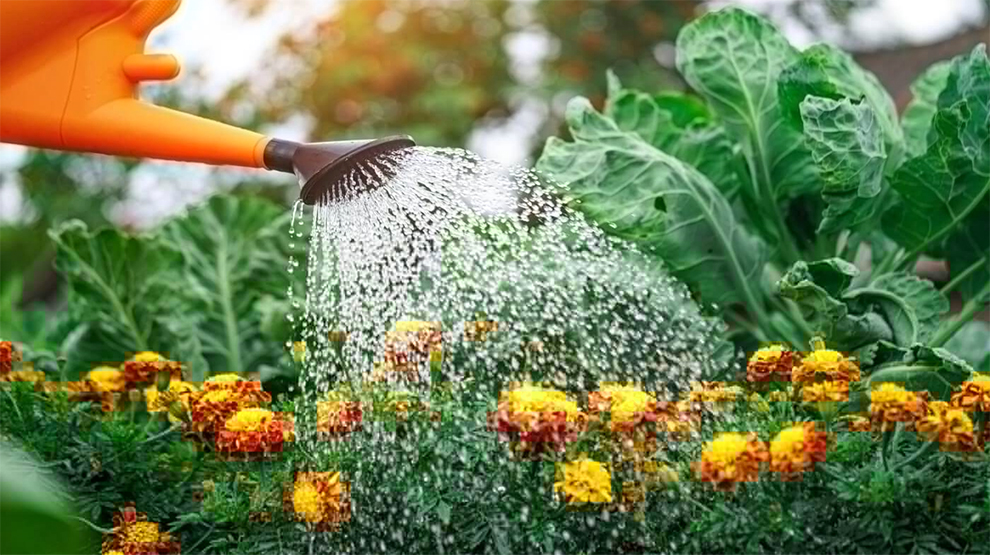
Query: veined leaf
972, 344
942, 189
676, 126
733, 58
847, 145
917, 118
123, 288
924, 369
824, 311
231, 257
912, 307
825, 71
642, 194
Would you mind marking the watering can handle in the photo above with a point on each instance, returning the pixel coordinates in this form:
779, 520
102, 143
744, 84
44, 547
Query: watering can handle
77, 89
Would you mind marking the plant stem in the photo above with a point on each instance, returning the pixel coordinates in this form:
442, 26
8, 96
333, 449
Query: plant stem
885, 264
971, 307
949, 287
914, 456
746, 325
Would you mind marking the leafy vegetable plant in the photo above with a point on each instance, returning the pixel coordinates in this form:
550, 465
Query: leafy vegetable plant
760, 191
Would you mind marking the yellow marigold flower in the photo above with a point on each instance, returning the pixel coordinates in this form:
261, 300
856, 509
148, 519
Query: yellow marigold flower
825, 391
415, 326
531, 398
24, 376
148, 356
223, 378
796, 449
249, 420
890, 402
107, 379
974, 394
307, 502
585, 481
141, 532
157, 402
114, 552
629, 403
826, 365
949, 426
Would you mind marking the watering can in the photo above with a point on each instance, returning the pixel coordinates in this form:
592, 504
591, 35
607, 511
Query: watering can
69, 77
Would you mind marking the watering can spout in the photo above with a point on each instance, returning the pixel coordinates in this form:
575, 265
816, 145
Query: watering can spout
75, 87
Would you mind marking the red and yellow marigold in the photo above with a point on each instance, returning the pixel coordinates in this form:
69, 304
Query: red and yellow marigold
8, 356
221, 397
254, 430
825, 392
320, 499
534, 419
823, 365
132, 534
974, 395
145, 366
951, 427
731, 458
176, 400
796, 449
773, 363
337, 418
890, 403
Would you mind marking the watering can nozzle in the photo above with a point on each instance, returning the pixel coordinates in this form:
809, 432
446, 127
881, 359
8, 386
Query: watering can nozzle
321, 167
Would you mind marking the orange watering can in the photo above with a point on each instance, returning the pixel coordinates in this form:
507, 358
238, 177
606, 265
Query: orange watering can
69, 77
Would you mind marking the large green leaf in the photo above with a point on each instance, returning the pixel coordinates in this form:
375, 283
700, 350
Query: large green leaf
123, 289
917, 118
36, 510
816, 288
943, 188
642, 194
847, 144
674, 125
232, 251
912, 307
924, 369
825, 71
972, 344
733, 58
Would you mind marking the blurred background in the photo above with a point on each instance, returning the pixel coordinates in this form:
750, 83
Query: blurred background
492, 76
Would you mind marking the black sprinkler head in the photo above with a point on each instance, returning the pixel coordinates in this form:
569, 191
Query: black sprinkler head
321, 167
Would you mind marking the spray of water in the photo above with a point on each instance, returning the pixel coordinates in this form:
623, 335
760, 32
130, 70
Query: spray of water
517, 285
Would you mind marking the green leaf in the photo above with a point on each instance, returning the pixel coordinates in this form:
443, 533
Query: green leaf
644, 195
35, 510
733, 59
847, 145
925, 369
828, 315
123, 288
972, 344
232, 257
677, 128
943, 188
825, 71
912, 307
443, 511
917, 118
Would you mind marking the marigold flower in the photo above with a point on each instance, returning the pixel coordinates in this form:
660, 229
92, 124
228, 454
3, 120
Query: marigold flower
134, 535
826, 365
107, 379
731, 458
974, 395
159, 401
584, 481
35, 376
221, 399
773, 363
8, 356
890, 402
859, 424
713, 392
319, 498
145, 366
479, 330
225, 378
796, 449
951, 427
253, 430
532, 418
821, 392
338, 418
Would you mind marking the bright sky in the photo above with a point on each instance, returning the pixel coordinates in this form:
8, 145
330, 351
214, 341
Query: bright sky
227, 46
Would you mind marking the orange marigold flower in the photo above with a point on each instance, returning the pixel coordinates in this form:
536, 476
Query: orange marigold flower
773, 363
890, 402
221, 399
252, 430
731, 458
107, 379
35, 376
974, 396
859, 424
8, 356
796, 449
951, 427
145, 366
715, 394
338, 418
319, 498
825, 392
826, 365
